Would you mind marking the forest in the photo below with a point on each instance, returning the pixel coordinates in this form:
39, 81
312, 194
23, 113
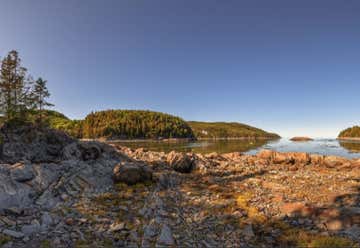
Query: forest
351, 132
228, 130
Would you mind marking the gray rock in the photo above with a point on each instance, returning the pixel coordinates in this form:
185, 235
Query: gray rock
131, 173
353, 231
180, 162
248, 231
30, 229
46, 219
166, 237
13, 234
117, 227
22, 172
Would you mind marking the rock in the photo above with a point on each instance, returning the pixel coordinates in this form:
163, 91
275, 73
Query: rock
334, 225
22, 172
279, 158
84, 151
265, 154
14, 234
14, 211
296, 209
46, 219
333, 161
131, 173
180, 162
300, 157
353, 231
30, 229
117, 227
69, 221
32, 144
166, 237
316, 159
248, 231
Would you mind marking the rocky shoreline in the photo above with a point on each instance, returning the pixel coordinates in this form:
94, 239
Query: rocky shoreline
59, 192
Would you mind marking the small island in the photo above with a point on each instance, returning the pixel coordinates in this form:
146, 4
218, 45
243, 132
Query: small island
301, 139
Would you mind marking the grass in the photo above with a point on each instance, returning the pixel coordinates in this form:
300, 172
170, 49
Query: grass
252, 212
4, 239
296, 237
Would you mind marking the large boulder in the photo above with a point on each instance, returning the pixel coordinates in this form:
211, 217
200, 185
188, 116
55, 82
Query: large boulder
32, 144
131, 173
333, 161
180, 162
83, 151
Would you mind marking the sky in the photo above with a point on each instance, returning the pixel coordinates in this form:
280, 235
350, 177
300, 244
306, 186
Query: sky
290, 67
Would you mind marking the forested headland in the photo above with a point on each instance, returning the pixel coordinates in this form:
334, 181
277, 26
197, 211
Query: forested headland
350, 133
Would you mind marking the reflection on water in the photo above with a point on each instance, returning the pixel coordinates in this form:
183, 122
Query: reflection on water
353, 146
320, 146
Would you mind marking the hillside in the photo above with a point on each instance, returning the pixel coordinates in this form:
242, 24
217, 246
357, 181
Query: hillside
144, 124
134, 124
228, 130
351, 132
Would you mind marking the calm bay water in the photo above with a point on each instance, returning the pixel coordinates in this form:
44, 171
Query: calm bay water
319, 146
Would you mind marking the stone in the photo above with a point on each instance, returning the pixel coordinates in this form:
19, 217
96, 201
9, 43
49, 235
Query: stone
265, 154
131, 173
334, 225
316, 159
353, 231
46, 219
114, 227
166, 237
69, 221
22, 172
180, 162
14, 234
248, 231
300, 157
296, 209
279, 158
30, 229
333, 161
84, 151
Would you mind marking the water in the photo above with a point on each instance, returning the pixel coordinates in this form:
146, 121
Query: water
318, 146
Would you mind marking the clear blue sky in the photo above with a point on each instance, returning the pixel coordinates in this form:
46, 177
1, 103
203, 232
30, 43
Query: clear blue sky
292, 67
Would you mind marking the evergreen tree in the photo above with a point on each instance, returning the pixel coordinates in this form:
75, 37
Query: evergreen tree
39, 94
13, 93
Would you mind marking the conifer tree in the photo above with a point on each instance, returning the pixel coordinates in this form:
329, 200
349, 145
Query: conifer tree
39, 94
12, 86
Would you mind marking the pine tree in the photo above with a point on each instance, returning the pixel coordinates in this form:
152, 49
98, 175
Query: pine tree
39, 94
12, 86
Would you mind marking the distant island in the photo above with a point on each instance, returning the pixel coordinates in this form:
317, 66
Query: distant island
300, 139
351, 133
